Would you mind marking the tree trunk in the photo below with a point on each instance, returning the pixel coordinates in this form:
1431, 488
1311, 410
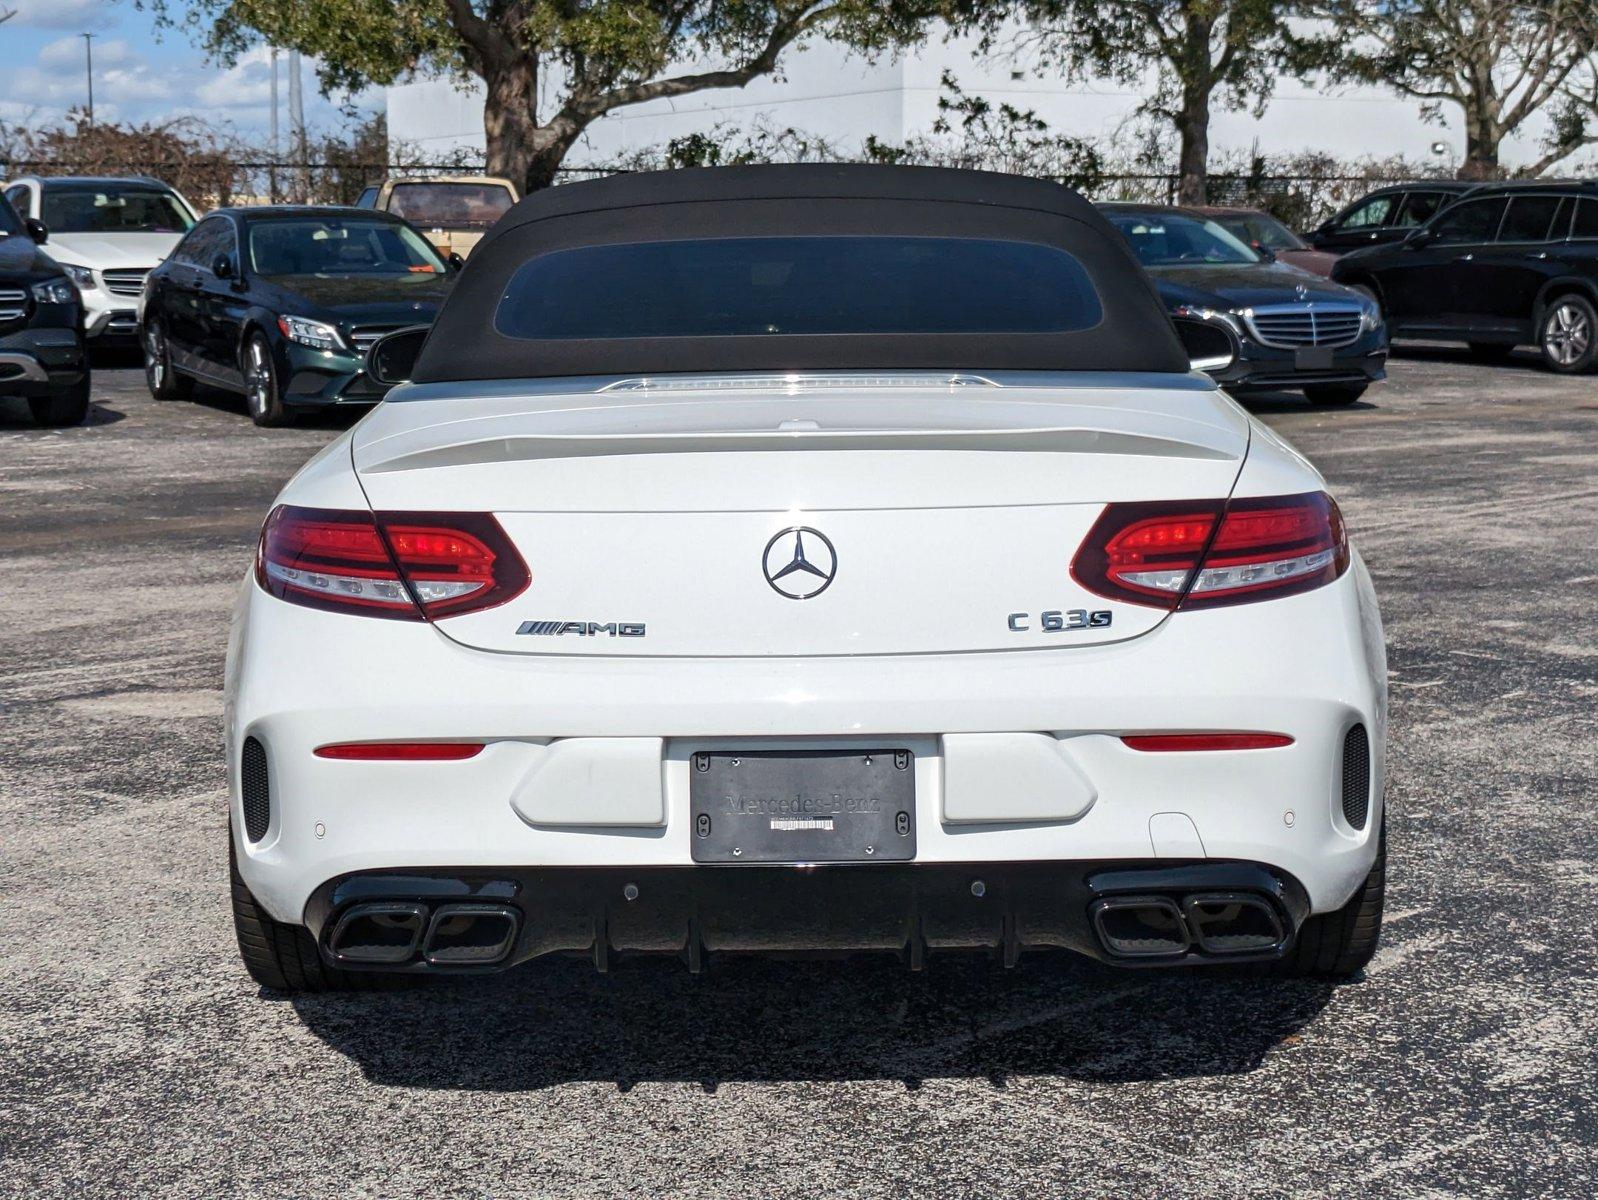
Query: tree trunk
1193, 127
510, 120
519, 148
1481, 151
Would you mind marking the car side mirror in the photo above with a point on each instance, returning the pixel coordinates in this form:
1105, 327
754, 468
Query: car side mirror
1419, 238
455, 261
222, 267
392, 358
1322, 229
37, 231
1265, 252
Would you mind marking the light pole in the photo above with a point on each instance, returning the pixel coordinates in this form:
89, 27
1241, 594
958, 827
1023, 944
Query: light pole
271, 174
88, 68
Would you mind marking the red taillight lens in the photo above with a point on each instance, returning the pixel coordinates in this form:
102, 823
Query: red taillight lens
401, 751
1204, 554
383, 564
1166, 742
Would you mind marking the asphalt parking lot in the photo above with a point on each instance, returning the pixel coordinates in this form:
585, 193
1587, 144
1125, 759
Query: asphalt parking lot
137, 1058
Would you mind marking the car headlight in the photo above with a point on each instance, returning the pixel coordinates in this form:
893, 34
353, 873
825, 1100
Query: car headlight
83, 277
55, 291
316, 334
1213, 315
1370, 319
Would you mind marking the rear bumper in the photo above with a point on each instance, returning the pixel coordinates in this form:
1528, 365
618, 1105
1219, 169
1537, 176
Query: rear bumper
1310, 666
905, 909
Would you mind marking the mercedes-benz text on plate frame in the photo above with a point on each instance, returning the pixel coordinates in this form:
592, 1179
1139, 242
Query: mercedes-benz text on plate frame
890, 585
800, 562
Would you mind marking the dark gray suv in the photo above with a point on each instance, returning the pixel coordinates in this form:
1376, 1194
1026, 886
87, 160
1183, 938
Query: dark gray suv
1507, 265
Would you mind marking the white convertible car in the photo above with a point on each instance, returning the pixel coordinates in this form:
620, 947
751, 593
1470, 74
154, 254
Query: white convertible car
803, 559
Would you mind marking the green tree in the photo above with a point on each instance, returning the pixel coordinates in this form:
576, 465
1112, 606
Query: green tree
1498, 61
549, 68
1202, 53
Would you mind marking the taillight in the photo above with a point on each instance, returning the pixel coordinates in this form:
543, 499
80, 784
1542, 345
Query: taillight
1206, 553
385, 564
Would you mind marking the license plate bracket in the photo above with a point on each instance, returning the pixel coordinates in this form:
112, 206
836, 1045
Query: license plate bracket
802, 806
1313, 358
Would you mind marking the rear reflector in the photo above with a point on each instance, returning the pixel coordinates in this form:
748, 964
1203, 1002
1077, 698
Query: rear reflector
401, 751
1206, 741
1204, 553
384, 564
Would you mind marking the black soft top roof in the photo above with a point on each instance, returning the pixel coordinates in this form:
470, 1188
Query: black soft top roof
790, 201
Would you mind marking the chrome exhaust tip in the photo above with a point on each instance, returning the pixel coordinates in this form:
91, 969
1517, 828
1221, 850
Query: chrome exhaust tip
1140, 926
378, 933
1233, 923
470, 935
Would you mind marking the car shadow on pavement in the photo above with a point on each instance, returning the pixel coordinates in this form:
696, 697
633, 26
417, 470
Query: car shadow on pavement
1522, 359
14, 416
748, 1019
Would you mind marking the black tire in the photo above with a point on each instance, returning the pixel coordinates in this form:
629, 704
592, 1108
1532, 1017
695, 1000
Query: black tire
1340, 944
1334, 395
284, 957
68, 407
263, 394
160, 376
1567, 334
1491, 352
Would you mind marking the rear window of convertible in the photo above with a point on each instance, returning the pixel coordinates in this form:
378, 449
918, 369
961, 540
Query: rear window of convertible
730, 287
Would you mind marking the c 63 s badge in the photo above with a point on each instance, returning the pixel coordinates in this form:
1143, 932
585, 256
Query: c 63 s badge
581, 628
1060, 620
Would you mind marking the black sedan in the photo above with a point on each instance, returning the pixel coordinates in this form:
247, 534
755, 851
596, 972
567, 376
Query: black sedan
281, 304
1253, 323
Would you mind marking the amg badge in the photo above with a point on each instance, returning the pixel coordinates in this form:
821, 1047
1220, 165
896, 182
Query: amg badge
581, 628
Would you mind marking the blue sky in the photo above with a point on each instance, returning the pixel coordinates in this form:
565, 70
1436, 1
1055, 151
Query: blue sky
140, 74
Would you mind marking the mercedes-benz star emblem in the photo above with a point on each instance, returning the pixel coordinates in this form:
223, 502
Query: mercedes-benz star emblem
800, 563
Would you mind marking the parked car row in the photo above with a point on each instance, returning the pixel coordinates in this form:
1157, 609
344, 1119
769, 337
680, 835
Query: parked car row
276, 303
281, 303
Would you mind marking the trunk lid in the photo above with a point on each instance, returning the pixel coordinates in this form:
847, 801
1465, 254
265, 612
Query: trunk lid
931, 517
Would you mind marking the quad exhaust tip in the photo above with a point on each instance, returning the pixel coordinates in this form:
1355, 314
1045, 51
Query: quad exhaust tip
393, 933
1218, 924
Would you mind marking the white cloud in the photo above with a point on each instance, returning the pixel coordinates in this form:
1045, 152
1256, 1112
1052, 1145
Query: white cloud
85, 15
122, 77
248, 84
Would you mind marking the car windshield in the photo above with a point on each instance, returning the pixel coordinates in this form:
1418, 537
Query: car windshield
449, 204
341, 246
1261, 232
1171, 239
112, 208
764, 286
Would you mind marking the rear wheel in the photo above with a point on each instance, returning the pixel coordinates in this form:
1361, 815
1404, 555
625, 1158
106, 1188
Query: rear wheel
1567, 334
262, 392
65, 408
1491, 351
159, 375
1334, 394
283, 957
1340, 944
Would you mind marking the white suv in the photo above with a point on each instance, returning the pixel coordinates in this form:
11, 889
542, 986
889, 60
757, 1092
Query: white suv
107, 234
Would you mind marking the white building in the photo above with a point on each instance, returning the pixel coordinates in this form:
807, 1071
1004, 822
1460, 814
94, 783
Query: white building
828, 92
